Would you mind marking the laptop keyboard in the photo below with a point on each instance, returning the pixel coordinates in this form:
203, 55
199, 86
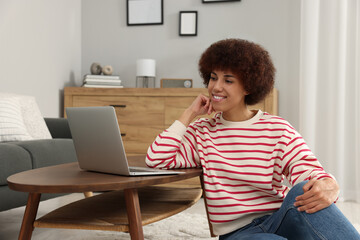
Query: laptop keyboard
143, 169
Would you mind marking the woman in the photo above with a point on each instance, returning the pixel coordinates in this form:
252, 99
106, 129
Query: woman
246, 154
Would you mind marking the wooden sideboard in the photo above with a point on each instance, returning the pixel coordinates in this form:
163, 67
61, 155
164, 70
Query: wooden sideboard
143, 113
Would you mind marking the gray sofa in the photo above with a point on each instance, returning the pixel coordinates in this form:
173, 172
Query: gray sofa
25, 155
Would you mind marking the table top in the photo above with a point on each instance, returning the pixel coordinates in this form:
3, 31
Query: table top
69, 178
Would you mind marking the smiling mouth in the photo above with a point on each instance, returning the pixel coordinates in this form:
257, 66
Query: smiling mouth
218, 98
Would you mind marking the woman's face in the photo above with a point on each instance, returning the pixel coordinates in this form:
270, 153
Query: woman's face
226, 92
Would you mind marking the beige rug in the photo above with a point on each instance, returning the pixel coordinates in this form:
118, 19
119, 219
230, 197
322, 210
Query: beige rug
190, 225
182, 226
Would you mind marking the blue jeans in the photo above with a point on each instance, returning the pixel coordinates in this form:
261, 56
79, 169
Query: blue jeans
289, 223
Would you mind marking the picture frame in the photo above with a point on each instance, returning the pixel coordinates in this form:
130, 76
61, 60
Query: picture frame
217, 1
188, 23
145, 12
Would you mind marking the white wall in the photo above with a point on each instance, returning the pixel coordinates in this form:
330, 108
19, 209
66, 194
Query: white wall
40, 49
46, 45
273, 23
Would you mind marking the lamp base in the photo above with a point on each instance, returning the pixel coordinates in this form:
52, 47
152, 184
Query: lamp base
145, 82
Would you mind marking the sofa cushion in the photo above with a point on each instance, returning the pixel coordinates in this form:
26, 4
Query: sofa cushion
13, 159
49, 152
58, 127
33, 120
12, 199
12, 127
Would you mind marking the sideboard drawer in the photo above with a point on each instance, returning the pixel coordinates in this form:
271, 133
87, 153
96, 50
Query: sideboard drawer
174, 107
129, 110
89, 101
137, 138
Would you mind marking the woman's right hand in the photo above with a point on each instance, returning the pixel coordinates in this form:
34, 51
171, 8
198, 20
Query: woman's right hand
200, 106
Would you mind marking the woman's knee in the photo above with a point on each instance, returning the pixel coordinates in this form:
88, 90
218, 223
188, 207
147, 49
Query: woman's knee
295, 191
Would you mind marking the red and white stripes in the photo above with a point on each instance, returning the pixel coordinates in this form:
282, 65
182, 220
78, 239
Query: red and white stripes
244, 164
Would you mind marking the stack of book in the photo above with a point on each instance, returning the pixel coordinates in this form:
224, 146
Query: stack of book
102, 81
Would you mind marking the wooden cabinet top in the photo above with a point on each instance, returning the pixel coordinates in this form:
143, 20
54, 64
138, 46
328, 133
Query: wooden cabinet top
173, 92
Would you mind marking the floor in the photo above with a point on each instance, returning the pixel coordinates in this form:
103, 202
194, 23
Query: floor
10, 220
350, 209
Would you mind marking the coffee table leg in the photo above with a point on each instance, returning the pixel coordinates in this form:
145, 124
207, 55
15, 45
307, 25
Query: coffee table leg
134, 214
31, 209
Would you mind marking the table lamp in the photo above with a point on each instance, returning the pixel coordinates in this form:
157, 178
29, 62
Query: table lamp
145, 73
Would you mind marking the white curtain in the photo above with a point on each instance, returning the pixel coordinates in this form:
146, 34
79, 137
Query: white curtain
330, 88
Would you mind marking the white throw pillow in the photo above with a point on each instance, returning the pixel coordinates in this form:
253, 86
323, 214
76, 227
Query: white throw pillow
12, 127
32, 117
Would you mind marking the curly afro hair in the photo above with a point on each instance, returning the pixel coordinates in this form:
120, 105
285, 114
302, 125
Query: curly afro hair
250, 62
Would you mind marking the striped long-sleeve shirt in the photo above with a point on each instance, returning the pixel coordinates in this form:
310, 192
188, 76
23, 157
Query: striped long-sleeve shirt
244, 164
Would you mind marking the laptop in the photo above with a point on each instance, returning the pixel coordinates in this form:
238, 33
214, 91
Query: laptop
98, 144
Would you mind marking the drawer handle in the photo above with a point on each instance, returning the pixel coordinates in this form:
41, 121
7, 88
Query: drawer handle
123, 134
119, 106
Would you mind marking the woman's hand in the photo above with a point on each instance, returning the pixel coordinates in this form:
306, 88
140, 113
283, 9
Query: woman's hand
318, 194
200, 106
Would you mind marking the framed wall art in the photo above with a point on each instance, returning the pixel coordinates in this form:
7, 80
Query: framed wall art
145, 12
188, 23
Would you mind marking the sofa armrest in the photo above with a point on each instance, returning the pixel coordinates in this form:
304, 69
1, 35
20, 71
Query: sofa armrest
58, 127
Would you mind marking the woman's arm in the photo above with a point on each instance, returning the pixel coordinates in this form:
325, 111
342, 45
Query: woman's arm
176, 147
173, 149
300, 164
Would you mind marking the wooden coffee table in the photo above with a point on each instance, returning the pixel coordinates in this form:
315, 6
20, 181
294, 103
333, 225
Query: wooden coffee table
106, 210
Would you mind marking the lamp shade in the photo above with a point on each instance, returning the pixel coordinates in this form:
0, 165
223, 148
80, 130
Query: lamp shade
145, 67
